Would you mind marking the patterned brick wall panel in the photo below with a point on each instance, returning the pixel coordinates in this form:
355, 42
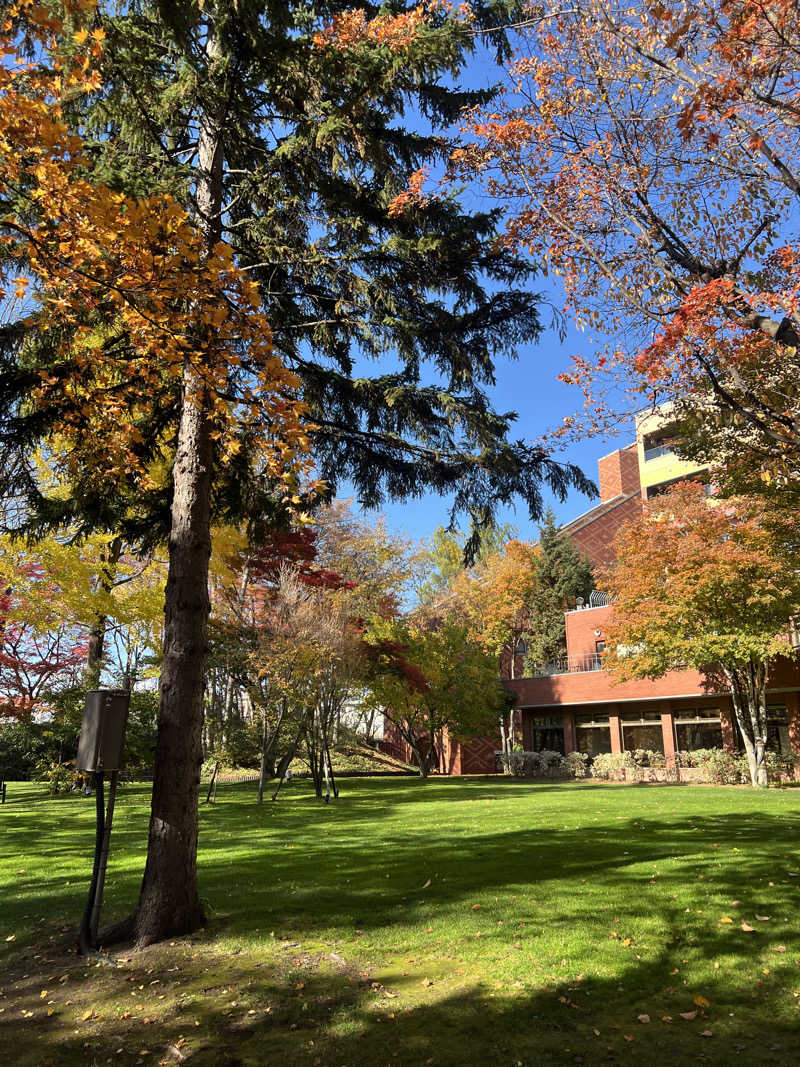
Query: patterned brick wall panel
595, 539
618, 473
478, 755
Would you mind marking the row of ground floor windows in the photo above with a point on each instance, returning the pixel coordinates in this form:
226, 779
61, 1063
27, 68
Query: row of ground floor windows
693, 729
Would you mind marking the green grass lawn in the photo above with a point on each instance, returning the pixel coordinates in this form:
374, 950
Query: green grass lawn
450, 922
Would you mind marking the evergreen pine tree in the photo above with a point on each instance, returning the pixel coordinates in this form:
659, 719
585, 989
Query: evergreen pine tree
562, 575
393, 317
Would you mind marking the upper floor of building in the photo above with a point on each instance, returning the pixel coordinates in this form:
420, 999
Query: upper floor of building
627, 477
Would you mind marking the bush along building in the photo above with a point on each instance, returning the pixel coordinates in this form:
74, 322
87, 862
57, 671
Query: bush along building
680, 725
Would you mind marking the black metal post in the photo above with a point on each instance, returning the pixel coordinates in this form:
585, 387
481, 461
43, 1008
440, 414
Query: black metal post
85, 939
94, 923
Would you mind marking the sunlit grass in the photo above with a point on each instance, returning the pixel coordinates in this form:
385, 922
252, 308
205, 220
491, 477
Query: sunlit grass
454, 920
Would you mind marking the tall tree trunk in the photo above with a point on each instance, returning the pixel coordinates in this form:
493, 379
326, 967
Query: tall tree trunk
169, 902
97, 633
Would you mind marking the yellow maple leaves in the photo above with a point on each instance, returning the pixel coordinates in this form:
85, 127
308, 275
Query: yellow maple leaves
128, 284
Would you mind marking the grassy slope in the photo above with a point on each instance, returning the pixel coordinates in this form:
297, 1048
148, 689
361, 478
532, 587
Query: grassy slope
555, 916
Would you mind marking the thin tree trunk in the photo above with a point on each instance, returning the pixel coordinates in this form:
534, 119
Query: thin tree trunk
262, 770
757, 691
230, 681
748, 695
325, 774
169, 902
330, 771
97, 633
267, 743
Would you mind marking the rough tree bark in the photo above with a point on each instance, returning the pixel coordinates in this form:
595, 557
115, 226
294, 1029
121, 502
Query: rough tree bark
169, 902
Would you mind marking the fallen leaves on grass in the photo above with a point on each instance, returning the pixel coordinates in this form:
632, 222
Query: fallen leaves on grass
726, 919
688, 1015
701, 1002
643, 1018
748, 929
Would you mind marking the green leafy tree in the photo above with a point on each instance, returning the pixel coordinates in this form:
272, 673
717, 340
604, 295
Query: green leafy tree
290, 144
443, 559
427, 680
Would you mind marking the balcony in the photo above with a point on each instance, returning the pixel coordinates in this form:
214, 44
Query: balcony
655, 451
568, 665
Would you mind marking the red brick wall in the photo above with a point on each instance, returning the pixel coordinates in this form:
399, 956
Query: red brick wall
394, 744
599, 687
618, 473
478, 755
581, 626
596, 539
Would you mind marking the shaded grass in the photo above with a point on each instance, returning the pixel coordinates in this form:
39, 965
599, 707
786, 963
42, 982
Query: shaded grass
554, 916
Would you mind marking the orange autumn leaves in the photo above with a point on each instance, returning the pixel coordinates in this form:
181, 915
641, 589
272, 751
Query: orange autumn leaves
395, 32
127, 284
352, 28
647, 156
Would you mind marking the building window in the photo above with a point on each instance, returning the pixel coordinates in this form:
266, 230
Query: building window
592, 734
547, 734
642, 729
697, 728
658, 444
778, 730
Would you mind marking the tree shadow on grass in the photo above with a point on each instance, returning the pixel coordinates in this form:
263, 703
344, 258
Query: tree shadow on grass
318, 1010
316, 878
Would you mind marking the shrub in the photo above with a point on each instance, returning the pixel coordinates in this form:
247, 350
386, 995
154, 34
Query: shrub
532, 764
609, 764
220, 757
574, 764
727, 768
59, 776
648, 757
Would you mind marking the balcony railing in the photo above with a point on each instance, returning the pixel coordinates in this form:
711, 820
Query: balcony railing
655, 451
569, 665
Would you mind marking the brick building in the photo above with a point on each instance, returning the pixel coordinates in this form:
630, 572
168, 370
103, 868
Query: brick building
578, 706
575, 704
620, 486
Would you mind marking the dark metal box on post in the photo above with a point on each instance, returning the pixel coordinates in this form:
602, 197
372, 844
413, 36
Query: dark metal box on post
100, 746
105, 718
